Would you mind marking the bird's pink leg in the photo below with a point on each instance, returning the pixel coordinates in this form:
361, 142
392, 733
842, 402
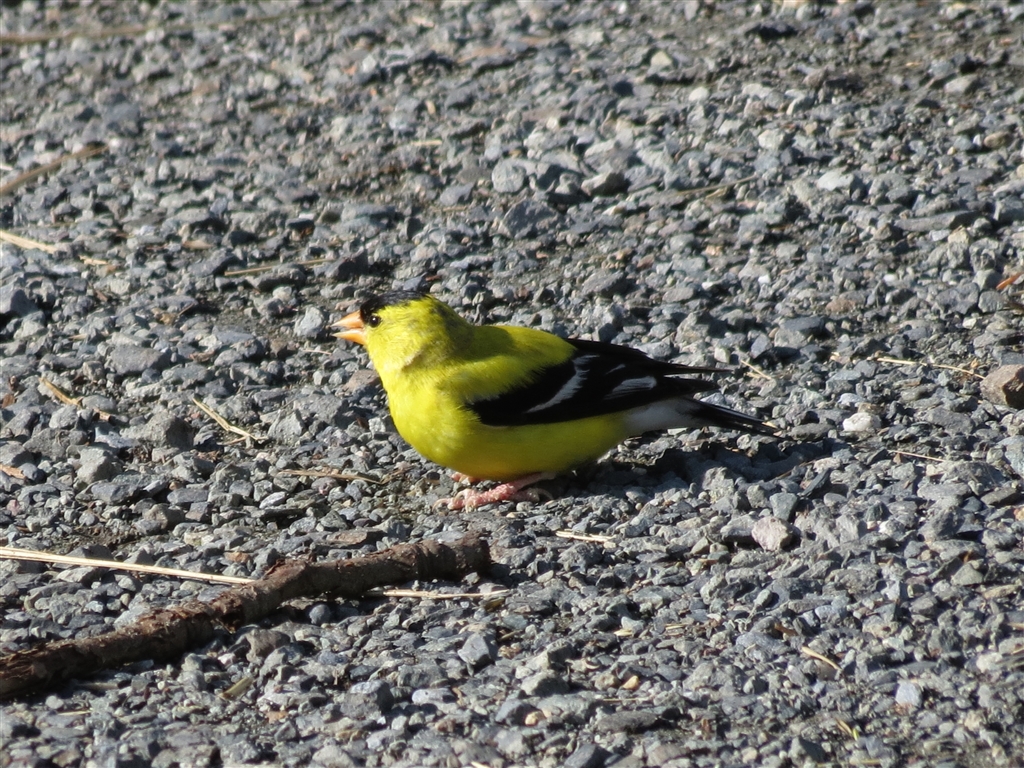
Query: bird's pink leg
511, 491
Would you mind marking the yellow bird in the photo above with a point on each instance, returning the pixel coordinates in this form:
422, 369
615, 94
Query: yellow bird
519, 405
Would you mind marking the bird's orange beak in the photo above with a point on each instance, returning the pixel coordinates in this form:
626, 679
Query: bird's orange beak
354, 329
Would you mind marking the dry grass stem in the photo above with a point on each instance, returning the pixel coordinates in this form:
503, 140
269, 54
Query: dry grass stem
817, 656
927, 364
24, 178
135, 30
422, 595
25, 242
334, 474
758, 373
268, 267
65, 398
12, 553
592, 538
58, 393
917, 456
223, 423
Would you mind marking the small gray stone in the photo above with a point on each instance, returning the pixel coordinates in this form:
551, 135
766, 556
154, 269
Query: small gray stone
961, 86
908, 695
783, 504
588, 755
939, 222
16, 302
527, 218
802, 747
513, 711
638, 721
1005, 386
774, 139
311, 324
478, 651
182, 497
164, 429
862, 423
942, 525
772, 534
1009, 210
13, 453
508, 176
835, 181
611, 183
367, 701
457, 194
134, 361
967, 576
84, 575
544, 683
97, 464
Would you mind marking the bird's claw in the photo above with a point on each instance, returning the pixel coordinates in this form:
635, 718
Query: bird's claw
470, 499
510, 491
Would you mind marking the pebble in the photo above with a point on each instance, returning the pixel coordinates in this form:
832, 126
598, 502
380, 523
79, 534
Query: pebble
772, 534
1005, 386
862, 423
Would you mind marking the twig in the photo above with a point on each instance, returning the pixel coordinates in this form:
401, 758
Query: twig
12, 553
42, 170
223, 423
167, 633
25, 242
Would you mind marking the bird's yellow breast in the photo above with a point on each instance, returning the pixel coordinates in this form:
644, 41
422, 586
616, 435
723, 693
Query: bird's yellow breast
428, 397
451, 435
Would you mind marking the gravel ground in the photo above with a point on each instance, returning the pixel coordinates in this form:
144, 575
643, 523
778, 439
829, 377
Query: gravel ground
828, 196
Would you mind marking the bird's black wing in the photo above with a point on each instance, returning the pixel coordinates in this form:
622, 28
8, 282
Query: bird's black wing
599, 378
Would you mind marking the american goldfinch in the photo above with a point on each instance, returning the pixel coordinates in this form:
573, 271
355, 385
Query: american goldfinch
518, 405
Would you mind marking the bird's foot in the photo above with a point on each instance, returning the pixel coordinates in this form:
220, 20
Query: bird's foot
512, 491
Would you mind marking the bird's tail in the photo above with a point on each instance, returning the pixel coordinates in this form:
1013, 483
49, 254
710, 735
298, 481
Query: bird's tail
684, 412
711, 415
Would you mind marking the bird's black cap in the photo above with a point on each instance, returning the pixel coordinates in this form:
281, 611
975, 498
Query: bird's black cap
375, 304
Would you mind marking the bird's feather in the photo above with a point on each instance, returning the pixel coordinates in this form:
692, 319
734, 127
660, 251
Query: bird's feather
597, 379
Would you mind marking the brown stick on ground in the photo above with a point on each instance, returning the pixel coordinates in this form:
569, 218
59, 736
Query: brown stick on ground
169, 632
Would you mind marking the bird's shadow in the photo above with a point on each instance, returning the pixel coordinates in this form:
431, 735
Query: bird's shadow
650, 469
768, 460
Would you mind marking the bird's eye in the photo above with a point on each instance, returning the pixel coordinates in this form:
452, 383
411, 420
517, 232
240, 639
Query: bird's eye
373, 321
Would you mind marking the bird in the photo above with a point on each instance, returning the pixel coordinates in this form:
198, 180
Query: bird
519, 405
